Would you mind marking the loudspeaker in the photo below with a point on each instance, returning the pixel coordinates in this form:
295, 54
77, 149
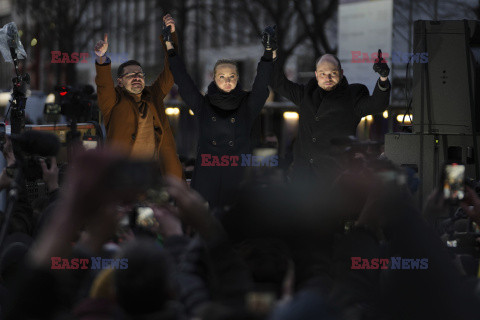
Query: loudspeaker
426, 154
446, 89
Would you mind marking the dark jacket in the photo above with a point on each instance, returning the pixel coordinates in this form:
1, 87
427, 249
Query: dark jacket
222, 132
326, 115
120, 114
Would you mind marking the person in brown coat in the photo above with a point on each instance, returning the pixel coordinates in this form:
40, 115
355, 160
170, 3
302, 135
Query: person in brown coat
133, 113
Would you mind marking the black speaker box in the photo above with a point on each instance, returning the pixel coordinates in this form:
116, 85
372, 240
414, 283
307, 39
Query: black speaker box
426, 154
446, 89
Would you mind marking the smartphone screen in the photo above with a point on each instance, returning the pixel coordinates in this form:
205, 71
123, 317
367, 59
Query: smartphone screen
454, 182
145, 217
260, 302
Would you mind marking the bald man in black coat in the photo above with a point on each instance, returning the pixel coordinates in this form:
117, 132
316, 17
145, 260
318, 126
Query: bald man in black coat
329, 108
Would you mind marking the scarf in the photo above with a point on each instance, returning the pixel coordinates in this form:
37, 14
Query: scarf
141, 104
319, 93
225, 100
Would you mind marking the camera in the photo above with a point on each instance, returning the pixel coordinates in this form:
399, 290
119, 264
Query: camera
32, 146
74, 103
32, 168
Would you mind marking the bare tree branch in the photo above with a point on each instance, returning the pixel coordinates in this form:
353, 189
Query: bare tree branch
307, 27
252, 17
287, 52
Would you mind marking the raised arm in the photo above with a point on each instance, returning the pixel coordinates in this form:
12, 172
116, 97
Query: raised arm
376, 103
280, 84
162, 85
380, 98
187, 88
258, 96
106, 95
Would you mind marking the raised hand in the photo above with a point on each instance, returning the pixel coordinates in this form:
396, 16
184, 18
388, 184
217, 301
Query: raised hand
168, 29
168, 222
102, 46
169, 22
471, 205
7, 151
269, 38
5, 180
50, 175
167, 34
380, 66
191, 208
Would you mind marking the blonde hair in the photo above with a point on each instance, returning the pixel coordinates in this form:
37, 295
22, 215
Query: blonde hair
225, 61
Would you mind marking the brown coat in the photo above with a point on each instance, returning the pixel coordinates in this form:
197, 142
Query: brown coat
120, 114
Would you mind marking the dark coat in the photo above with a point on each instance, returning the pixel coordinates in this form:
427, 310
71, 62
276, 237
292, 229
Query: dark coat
222, 132
326, 115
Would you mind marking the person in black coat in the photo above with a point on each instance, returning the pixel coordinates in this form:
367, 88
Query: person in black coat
226, 114
329, 108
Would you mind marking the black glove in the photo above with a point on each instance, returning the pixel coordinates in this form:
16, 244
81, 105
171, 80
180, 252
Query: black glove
381, 66
167, 33
269, 38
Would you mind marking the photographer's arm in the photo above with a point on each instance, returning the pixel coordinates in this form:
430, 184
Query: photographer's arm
22, 219
7, 151
187, 255
471, 205
50, 175
85, 200
392, 208
232, 279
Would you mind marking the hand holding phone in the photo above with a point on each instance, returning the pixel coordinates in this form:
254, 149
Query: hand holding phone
454, 182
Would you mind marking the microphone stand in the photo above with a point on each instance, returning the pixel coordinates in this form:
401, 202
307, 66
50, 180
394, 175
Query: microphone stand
17, 120
73, 139
19, 99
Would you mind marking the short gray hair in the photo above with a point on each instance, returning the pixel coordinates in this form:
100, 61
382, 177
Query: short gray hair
329, 55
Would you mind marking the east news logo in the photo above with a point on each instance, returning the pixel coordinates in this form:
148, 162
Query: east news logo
92, 263
247, 160
396, 263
